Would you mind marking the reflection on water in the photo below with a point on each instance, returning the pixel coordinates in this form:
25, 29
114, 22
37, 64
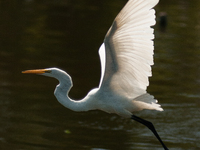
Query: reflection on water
67, 34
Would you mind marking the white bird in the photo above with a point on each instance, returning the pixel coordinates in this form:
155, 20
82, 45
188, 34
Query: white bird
126, 57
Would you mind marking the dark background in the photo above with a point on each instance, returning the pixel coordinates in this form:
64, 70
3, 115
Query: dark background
67, 34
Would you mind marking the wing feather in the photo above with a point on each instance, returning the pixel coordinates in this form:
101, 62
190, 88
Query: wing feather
127, 52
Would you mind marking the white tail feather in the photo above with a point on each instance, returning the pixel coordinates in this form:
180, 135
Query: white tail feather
147, 101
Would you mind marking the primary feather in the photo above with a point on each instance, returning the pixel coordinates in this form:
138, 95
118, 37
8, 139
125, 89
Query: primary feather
128, 49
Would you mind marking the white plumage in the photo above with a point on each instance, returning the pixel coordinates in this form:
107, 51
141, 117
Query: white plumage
126, 57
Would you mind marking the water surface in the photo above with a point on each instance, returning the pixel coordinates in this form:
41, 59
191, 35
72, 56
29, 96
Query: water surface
67, 34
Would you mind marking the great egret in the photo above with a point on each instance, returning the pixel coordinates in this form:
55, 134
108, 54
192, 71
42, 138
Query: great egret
126, 57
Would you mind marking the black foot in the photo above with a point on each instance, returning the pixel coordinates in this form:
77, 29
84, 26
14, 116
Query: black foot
150, 126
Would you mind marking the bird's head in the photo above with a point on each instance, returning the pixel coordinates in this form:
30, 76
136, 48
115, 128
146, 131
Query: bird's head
64, 79
50, 72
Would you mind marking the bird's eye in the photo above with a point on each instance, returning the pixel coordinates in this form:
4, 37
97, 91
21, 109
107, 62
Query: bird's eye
48, 71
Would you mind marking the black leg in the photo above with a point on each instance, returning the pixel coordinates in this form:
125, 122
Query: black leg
150, 126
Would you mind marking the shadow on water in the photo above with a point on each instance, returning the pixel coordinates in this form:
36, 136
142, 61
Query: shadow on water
67, 34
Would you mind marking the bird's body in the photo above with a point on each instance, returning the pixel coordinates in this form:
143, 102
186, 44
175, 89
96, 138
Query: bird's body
126, 57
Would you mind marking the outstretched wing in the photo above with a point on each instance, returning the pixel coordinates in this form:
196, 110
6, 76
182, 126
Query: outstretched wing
127, 52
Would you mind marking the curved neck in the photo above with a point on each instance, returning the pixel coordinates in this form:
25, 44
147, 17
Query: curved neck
61, 93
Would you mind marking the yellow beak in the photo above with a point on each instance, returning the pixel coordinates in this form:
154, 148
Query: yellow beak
37, 71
